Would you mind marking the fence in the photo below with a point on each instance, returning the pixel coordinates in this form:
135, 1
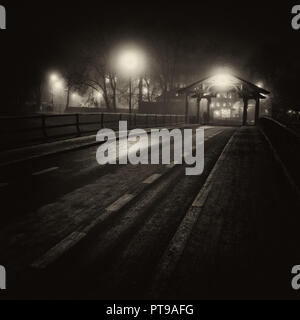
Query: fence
22, 131
287, 144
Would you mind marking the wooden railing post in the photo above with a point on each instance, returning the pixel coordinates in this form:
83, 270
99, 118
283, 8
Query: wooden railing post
78, 124
102, 120
44, 126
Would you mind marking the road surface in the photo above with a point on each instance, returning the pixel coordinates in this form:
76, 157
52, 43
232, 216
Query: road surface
74, 229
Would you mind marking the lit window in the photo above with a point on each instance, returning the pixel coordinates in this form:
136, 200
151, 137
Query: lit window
217, 114
218, 95
212, 105
225, 113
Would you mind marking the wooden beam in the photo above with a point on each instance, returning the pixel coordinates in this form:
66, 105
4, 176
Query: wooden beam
257, 107
245, 112
186, 108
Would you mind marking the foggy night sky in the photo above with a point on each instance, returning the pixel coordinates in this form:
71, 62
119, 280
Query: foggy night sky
255, 39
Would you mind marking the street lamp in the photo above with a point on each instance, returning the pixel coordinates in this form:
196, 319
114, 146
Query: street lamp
222, 80
131, 63
53, 77
55, 84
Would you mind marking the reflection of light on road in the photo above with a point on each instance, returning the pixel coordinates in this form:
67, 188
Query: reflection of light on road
124, 147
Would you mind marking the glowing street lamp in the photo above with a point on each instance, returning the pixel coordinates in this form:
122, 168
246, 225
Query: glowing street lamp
222, 80
53, 77
131, 63
56, 85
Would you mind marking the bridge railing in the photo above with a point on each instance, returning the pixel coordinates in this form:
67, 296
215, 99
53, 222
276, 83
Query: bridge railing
28, 130
287, 144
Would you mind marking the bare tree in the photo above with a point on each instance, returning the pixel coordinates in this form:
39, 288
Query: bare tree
74, 73
166, 64
153, 89
100, 75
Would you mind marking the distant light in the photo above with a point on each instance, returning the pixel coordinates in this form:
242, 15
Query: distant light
224, 104
225, 113
218, 104
58, 85
75, 95
131, 61
54, 77
222, 80
217, 113
98, 94
259, 84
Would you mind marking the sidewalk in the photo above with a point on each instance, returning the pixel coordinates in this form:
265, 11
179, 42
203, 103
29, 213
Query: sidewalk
46, 149
239, 238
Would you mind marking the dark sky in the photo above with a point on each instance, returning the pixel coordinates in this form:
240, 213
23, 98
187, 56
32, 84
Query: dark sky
253, 37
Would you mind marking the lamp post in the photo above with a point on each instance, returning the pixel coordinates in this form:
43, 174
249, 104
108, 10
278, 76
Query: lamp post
53, 80
130, 95
57, 85
131, 63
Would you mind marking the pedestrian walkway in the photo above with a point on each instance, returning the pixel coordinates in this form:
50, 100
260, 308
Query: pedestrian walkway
243, 229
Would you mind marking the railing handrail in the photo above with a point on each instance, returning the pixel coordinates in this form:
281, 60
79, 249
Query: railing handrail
51, 126
58, 115
283, 126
